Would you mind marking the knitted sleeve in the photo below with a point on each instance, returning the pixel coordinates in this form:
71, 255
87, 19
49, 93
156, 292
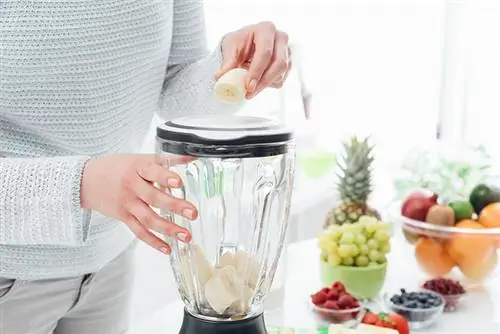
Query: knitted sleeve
40, 201
189, 81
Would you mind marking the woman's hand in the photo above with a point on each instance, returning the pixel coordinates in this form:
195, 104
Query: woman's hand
263, 50
121, 187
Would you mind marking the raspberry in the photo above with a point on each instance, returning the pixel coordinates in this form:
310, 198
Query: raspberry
331, 305
346, 301
338, 286
444, 286
319, 298
333, 295
325, 290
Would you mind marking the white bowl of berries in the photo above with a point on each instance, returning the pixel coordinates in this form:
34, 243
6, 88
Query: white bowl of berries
337, 306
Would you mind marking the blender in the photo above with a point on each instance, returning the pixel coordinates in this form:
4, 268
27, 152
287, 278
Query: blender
240, 177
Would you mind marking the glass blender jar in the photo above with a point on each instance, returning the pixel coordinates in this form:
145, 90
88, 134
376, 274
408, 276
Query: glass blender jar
240, 178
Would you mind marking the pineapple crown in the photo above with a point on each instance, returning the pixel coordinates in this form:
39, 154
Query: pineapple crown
355, 165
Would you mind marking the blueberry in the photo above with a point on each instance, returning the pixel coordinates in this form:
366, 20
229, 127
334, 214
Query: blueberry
412, 304
397, 300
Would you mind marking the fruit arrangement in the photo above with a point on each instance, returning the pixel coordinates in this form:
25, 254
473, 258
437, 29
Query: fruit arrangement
387, 320
335, 303
452, 291
420, 308
438, 252
355, 184
361, 244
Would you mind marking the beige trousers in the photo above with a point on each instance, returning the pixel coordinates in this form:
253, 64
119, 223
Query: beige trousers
96, 303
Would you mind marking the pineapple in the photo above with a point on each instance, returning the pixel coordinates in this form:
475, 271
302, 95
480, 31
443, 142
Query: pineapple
355, 184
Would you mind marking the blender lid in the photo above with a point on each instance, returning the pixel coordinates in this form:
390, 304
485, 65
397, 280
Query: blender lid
224, 129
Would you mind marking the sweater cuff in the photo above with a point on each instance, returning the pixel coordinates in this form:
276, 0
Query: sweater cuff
40, 200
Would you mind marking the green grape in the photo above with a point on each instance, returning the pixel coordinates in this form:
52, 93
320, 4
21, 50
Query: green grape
364, 249
382, 235
334, 234
334, 259
385, 248
354, 250
331, 246
374, 255
360, 239
347, 238
373, 244
344, 251
373, 264
348, 261
362, 261
322, 241
370, 229
382, 259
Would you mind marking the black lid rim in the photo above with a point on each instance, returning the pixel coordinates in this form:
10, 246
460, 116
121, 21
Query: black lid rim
191, 138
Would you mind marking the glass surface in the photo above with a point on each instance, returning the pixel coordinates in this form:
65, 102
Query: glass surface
238, 237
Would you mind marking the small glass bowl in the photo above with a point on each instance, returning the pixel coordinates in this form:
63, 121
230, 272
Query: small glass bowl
349, 317
418, 318
453, 302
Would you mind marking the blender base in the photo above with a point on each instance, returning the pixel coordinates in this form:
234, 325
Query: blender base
193, 325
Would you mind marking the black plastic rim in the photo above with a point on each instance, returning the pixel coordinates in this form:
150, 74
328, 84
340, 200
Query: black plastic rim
224, 151
168, 135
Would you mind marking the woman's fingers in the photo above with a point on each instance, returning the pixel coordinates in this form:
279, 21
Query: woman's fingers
155, 173
146, 236
276, 72
161, 200
151, 220
264, 38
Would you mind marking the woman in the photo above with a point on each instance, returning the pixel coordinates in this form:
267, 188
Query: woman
79, 84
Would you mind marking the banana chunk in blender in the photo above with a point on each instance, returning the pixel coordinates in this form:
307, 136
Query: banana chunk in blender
202, 267
223, 289
244, 264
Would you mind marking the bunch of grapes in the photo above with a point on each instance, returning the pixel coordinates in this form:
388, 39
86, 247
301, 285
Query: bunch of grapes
361, 244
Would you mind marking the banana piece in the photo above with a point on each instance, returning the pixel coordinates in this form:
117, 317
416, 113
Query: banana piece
224, 288
202, 266
231, 88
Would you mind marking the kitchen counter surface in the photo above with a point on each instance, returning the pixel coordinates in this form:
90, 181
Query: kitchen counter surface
479, 313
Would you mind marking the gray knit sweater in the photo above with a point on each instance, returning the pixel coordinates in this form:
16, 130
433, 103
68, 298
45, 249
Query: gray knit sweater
81, 79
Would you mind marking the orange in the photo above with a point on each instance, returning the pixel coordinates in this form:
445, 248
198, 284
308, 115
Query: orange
432, 257
490, 216
474, 254
468, 223
479, 271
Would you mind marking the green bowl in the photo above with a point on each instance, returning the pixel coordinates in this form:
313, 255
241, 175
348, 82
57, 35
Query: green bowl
361, 282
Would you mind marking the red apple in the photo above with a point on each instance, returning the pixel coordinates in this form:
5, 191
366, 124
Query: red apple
417, 204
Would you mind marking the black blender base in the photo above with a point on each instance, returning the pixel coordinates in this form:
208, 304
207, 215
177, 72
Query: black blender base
193, 325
